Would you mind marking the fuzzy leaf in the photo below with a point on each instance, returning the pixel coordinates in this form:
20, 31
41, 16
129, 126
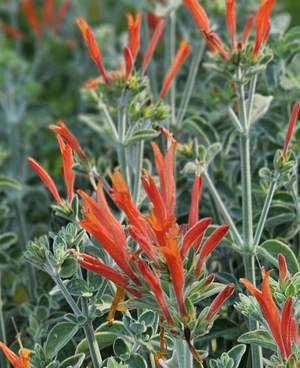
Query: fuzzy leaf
68, 268
79, 287
58, 337
259, 337
74, 361
270, 249
9, 183
142, 135
261, 106
7, 239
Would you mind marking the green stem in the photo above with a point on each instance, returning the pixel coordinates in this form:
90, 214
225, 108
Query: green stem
199, 49
179, 345
109, 120
248, 246
235, 119
223, 209
93, 344
188, 357
246, 192
138, 168
67, 296
256, 351
122, 154
31, 275
171, 46
88, 328
265, 210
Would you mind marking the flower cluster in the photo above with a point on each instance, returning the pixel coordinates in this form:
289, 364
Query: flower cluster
262, 26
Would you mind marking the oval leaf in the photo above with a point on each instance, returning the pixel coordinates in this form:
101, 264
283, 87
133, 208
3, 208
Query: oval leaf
259, 337
74, 361
272, 248
142, 135
7, 239
58, 337
9, 183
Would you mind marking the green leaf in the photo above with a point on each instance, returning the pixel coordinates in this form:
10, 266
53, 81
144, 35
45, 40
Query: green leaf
222, 327
9, 183
68, 268
236, 354
142, 135
136, 361
148, 318
79, 287
58, 337
212, 151
7, 239
261, 105
272, 248
74, 361
105, 336
121, 348
259, 337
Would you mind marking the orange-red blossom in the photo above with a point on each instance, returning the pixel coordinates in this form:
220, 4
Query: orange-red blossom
262, 25
283, 329
290, 129
68, 161
21, 361
182, 54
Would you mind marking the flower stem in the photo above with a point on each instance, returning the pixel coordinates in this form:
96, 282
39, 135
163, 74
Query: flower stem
139, 153
88, 328
248, 246
265, 210
171, 33
223, 209
296, 201
122, 154
198, 52
180, 353
109, 120
93, 344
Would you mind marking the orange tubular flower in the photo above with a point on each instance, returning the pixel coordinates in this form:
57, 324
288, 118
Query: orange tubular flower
268, 30
219, 300
269, 308
11, 31
290, 129
171, 253
294, 330
93, 47
213, 40
134, 33
48, 12
18, 362
210, 245
45, 177
64, 132
282, 267
261, 22
108, 234
248, 27
128, 61
61, 14
165, 167
285, 327
102, 269
182, 54
32, 18
157, 290
230, 4
158, 31
198, 14
67, 155
197, 188
193, 234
